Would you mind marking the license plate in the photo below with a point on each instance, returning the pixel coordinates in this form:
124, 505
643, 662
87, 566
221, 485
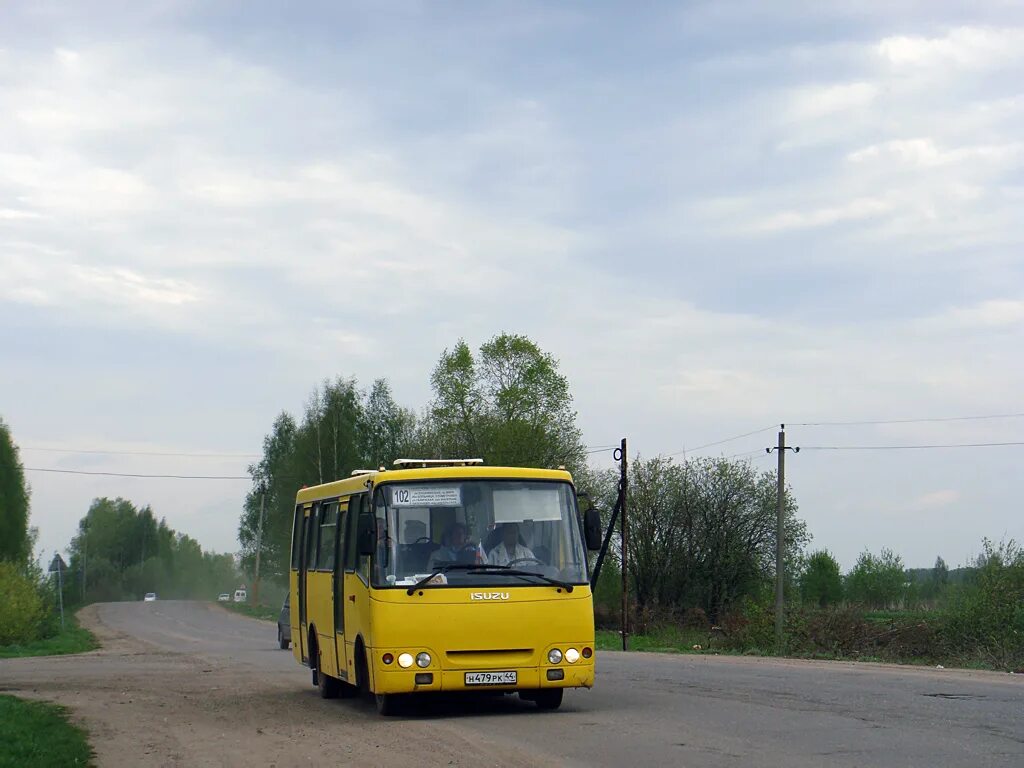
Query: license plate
490, 678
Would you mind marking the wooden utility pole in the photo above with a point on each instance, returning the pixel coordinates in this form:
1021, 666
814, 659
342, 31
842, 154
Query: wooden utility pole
623, 491
780, 543
780, 540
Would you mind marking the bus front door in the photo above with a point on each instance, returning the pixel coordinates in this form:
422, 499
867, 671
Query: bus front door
308, 550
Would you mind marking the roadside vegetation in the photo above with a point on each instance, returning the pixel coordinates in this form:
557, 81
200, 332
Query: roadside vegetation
878, 611
72, 639
38, 734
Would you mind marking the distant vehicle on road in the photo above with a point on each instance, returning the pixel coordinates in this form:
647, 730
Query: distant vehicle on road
241, 596
224, 597
150, 597
284, 624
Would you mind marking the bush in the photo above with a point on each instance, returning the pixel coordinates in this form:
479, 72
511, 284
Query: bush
985, 619
22, 612
877, 581
820, 582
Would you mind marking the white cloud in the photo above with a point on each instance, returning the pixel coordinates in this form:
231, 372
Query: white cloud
990, 314
926, 153
815, 102
853, 210
936, 499
963, 47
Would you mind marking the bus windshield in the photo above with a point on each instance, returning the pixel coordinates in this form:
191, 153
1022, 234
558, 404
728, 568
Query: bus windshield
509, 528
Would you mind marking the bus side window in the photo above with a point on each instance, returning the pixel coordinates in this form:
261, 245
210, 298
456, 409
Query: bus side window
297, 537
312, 528
328, 526
351, 546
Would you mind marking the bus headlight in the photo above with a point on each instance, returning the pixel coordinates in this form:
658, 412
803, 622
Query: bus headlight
554, 656
572, 655
422, 659
405, 660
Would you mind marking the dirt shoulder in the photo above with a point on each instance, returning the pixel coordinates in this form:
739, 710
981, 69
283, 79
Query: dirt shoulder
143, 705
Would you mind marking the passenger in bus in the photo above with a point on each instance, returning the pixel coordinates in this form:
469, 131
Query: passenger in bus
454, 549
509, 549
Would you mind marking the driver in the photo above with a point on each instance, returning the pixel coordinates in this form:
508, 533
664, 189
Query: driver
455, 548
509, 549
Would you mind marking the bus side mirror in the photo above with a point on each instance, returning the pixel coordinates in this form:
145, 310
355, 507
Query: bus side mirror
366, 534
592, 528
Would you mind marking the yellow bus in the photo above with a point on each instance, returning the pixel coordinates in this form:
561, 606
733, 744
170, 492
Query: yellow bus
444, 576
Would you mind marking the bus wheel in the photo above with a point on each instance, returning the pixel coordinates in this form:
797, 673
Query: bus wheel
347, 690
282, 641
548, 698
387, 703
329, 686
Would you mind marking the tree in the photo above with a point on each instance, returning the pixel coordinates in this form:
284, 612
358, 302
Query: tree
877, 581
821, 583
14, 498
121, 552
385, 430
702, 532
511, 406
332, 440
276, 477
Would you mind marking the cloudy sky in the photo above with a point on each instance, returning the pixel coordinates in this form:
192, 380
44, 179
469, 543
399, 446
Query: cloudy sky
718, 216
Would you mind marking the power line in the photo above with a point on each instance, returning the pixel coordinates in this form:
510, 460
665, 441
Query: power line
719, 442
902, 447
747, 454
146, 453
906, 421
129, 474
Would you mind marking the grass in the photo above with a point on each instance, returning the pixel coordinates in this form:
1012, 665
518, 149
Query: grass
74, 639
669, 640
39, 734
264, 612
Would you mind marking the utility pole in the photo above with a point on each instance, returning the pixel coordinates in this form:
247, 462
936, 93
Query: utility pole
259, 545
58, 565
85, 554
623, 490
780, 539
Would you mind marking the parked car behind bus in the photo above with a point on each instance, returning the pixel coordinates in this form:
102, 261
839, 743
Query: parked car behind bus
284, 624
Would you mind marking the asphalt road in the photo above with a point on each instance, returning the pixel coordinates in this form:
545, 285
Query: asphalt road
646, 709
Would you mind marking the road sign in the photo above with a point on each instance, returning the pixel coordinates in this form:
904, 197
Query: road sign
58, 564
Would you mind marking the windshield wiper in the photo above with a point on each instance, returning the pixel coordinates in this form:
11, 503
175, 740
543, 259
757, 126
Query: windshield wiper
554, 582
453, 567
484, 568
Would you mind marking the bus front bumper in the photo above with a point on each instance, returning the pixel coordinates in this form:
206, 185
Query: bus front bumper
394, 680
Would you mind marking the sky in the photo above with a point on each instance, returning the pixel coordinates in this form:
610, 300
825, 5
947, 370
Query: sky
718, 216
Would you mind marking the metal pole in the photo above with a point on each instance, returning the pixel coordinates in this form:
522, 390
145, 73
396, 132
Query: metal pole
259, 545
780, 605
85, 554
60, 594
624, 486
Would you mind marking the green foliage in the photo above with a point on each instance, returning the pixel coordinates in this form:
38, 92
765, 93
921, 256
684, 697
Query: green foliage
877, 581
121, 553
21, 607
34, 733
702, 532
14, 534
821, 583
985, 619
73, 639
511, 406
